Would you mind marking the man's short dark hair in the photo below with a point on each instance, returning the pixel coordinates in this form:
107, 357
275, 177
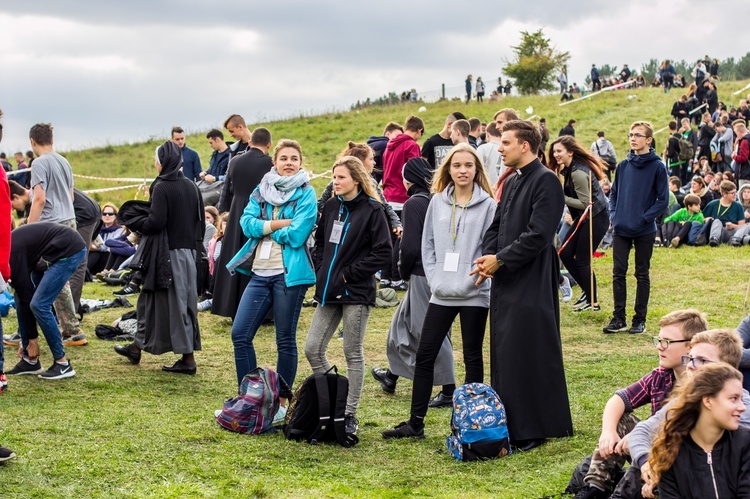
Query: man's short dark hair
215, 134
234, 120
492, 129
391, 126
41, 133
570, 122
525, 132
462, 126
414, 124
458, 115
177, 129
600, 133
261, 137
3, 155
16, 189
675, 181
672, 126
475, 123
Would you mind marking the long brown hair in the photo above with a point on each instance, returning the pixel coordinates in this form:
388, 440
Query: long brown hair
580, 155
358, 150
682, 416
359, 174
442, 178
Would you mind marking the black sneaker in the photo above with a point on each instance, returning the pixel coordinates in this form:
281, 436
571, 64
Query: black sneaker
404, 430
381, 376
58, 371
580, 301
586, 307
6, 454
591, 492
441, 400
639, 327
351, 425
615, 326
401, 286
128, 290
25, 367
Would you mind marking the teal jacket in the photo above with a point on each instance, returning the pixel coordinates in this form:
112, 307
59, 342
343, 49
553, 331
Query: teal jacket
302, 208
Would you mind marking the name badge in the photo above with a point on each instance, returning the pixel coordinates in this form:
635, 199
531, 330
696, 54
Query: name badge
336, 231
451, 262
265, 249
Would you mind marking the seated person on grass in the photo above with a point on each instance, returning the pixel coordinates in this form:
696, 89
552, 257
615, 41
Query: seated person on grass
676, 331
725, 218
675, 186
716, 345
677, 226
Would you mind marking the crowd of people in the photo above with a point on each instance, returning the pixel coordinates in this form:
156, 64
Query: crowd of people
474, 224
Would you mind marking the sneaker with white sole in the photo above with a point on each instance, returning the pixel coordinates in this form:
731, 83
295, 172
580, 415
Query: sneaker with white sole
6, 454
205, 305
280, 417
13, 339
567, 291
58, 371
25, 367
75, 340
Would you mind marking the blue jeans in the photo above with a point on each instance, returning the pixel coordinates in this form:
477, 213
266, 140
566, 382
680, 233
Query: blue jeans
260, 295
48, 286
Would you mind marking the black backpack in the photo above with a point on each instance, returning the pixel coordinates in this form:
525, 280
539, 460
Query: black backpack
316, 412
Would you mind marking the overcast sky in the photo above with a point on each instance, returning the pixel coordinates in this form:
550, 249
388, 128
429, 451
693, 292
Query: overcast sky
112, 72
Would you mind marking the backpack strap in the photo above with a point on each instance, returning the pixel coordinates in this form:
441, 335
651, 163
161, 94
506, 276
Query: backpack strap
324, 405
344, 439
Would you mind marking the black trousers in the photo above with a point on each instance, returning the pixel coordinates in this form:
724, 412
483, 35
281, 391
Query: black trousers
644, 247
576, 256
670, 230
437, 323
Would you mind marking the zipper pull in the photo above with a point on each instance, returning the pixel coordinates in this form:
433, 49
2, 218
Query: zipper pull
709, 460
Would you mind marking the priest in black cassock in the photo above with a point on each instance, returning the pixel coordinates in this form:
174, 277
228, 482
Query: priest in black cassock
518, 253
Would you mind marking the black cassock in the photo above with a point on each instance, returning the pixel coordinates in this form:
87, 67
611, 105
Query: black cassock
525, 347
243, 176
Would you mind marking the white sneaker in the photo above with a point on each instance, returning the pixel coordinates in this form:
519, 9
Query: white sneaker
567, 291
280, 416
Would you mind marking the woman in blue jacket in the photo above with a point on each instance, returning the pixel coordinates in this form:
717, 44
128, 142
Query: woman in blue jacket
277, 220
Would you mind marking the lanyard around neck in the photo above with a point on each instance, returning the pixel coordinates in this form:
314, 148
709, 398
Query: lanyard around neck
456, 224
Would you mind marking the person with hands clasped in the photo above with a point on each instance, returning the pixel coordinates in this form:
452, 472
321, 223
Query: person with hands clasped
277, 220
352, 243
459, 213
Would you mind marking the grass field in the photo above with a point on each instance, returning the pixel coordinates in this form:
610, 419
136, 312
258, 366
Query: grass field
117, 430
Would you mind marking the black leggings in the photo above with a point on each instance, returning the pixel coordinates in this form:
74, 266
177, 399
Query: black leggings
670, 230
576, 256
97, 261
437, 323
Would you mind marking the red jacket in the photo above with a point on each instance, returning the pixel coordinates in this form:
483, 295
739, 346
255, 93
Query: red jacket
5, 225
399, 150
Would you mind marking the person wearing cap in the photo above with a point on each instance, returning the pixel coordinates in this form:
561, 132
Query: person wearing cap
406, 326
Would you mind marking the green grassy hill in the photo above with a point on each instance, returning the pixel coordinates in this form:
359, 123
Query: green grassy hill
117, 430
323, 137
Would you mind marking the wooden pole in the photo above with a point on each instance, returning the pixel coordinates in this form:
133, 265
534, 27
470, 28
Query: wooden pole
591, 241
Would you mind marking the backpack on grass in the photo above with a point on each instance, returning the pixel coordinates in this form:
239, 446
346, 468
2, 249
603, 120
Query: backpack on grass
252, 411
316, 412
479, 425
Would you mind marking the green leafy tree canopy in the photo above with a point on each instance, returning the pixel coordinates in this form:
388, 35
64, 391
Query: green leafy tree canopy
535, 63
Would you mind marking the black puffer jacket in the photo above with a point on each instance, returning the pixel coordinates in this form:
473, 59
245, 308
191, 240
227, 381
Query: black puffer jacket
345, 272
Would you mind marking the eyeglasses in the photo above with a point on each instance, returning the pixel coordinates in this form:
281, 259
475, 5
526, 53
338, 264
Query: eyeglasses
636, 136
108, 214
696, 361
664, 343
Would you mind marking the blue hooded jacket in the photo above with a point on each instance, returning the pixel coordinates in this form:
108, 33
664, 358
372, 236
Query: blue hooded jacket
639, 194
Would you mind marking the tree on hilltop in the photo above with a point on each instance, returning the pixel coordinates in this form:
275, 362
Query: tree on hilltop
535, 63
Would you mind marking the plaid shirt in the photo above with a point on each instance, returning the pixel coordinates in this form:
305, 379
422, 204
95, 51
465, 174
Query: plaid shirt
653, 387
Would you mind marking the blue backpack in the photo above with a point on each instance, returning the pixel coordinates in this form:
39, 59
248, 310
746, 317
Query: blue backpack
479, 425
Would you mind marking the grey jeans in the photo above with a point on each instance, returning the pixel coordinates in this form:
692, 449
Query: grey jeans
324, 323
719, 233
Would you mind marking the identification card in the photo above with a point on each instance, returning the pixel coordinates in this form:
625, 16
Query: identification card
265, 249
451, 262
338, 228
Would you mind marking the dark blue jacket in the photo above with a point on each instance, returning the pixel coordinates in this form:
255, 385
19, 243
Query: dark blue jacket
191, 164
639, 194
219, 163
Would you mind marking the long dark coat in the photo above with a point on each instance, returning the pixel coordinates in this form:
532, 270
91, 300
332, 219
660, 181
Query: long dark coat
525, 346
243, 176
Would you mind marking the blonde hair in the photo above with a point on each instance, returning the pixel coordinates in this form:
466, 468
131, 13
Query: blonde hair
283, 143
222, 219
726, 341
645, 124
690, 320
109, 204
442, 177
359, 174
